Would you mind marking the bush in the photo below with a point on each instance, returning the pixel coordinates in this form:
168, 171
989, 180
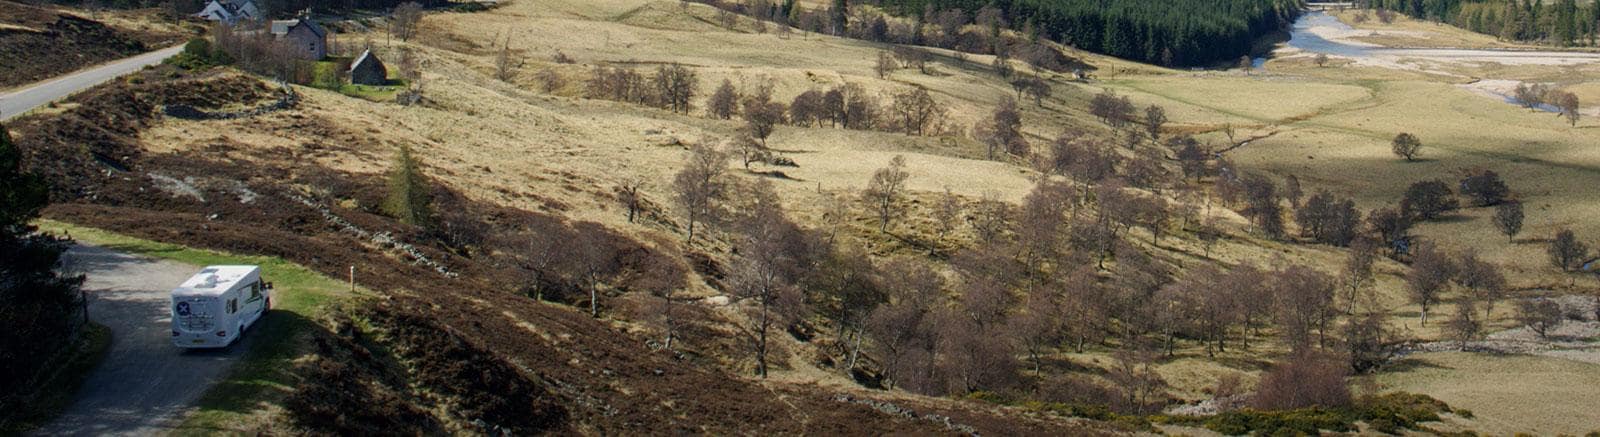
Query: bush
199, 54
1389, 413
1304, 380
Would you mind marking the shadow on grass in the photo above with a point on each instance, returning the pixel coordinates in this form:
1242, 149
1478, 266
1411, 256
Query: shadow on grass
1405, 365
263, 375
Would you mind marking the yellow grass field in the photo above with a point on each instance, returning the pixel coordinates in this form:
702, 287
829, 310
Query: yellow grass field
1508, 394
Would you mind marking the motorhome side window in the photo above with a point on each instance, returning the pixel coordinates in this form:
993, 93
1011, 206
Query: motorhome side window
233, 305
255, 291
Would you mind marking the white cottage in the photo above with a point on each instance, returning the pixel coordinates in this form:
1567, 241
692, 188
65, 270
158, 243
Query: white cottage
230, 11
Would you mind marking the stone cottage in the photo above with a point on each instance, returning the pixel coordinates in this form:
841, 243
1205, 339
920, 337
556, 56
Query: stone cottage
309, 40
368, 70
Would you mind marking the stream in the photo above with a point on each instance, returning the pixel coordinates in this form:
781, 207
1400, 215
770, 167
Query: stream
1318, 32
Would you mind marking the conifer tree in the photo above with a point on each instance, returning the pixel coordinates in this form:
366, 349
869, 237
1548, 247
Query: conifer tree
410, 198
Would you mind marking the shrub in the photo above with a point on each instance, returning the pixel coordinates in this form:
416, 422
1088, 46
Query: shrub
197, 54
1389, 413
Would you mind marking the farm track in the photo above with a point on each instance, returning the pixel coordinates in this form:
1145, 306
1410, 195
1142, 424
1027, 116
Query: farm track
145, 385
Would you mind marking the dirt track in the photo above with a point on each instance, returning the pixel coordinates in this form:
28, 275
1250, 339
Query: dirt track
145, 385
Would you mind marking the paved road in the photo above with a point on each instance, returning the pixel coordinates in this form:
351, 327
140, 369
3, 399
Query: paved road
145, 385
18, 101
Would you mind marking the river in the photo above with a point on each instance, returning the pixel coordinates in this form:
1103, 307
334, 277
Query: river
1318, 32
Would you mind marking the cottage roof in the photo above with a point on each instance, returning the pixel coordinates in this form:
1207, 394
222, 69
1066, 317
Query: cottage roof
366, 56
282, 27
234, 5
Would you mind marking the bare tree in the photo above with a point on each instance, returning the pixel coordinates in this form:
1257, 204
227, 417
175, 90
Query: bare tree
766, 268
1508, 219
1038, 90
663, 277
885, 65
1566, 252
1406, 146
724, 102
885, 191
1568, 103
700, 187
404, 20
1328, 219
912, 57
676, 87
1357, 274
1263, 205
749, 149
1369, 341
1464, 325
630, 196
544, 255
1530, 96
1041, 222
905, 330
947, 213
1155, 117
408, 66
1321, 59
1483, 279
1427, 200
1539, 315
852, 107
1485, 188
506, 63
1003, 130
1430, 274
1292, 191
1134, 375
808, 109
1390, 224
593, 260
991, 217
845, 287
1302, 380
1304, 303
761, 114
550, 80
916, 112
1112, 110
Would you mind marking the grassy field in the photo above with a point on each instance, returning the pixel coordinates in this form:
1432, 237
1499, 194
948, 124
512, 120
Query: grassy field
252, 389
1507, 394
1408, 32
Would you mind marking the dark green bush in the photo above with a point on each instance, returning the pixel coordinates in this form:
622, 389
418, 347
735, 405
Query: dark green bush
1390, 413
199, 54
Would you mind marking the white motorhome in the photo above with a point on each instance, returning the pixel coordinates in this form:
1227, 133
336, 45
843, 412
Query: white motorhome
215, 306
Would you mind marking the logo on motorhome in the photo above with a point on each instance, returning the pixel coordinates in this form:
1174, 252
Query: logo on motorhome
183, 308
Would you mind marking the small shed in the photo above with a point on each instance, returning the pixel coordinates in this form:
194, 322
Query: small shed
368, 70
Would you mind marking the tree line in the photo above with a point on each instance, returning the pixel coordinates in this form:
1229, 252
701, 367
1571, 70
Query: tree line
42, 312
912, 111
1172, 33
1564, 22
